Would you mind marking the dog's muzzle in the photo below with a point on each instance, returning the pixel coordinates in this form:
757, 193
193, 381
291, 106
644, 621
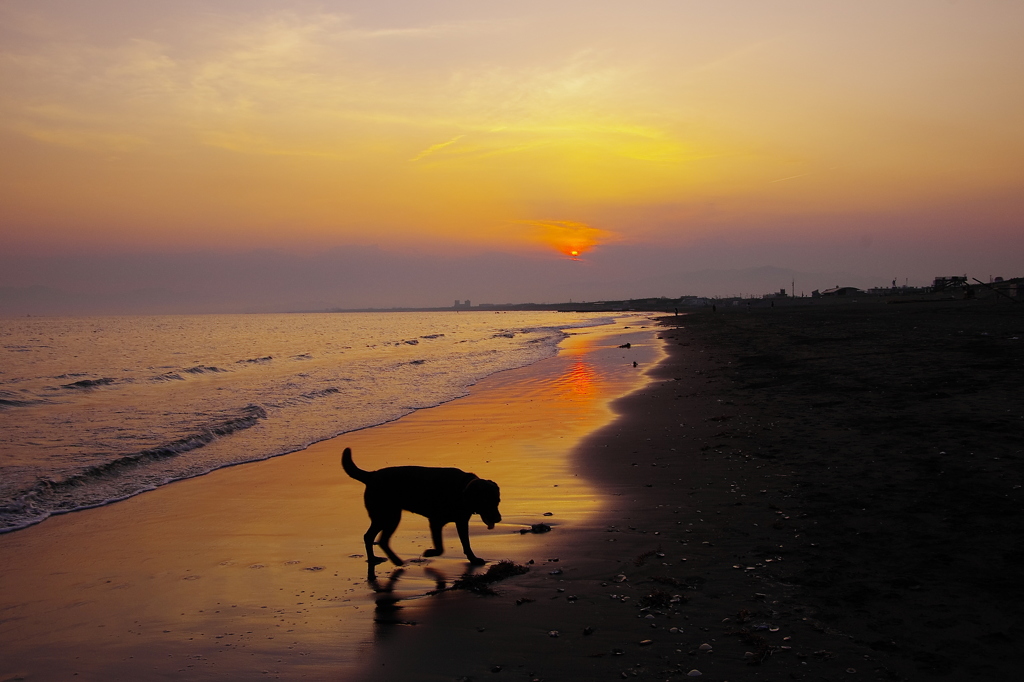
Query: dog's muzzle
490, 520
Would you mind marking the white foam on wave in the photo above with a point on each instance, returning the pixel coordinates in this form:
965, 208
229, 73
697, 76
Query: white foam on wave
304, 379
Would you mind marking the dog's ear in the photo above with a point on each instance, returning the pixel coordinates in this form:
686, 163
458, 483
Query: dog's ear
483, 493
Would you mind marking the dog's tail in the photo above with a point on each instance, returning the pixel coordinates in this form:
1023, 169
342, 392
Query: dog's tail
350, 467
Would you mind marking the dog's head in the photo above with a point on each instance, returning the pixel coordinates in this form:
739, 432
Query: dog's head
483, 497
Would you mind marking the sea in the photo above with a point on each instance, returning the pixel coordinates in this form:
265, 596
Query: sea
98, 409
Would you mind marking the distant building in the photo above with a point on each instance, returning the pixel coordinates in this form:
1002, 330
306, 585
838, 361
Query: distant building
459, 304
837, 291
943, 283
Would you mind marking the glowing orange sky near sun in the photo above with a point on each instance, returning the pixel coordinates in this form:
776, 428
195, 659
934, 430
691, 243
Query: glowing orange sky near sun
569, 237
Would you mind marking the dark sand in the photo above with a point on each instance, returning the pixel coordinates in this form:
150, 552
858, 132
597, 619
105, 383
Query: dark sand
820, 493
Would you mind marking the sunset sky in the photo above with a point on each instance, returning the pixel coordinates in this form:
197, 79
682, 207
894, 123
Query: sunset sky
234, 154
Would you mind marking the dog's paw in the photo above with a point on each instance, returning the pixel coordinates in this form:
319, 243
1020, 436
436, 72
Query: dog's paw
433, 552
477, 561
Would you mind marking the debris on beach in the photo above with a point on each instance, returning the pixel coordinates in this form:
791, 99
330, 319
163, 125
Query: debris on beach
657, 598
535, 528
481, 584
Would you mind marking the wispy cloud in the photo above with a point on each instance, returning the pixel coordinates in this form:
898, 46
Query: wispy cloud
436, 147
791, 177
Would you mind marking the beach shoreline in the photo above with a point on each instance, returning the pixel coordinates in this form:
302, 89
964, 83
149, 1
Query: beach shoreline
808, 493
782, 511
258, 569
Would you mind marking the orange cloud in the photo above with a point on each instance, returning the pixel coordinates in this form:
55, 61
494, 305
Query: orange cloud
569, 237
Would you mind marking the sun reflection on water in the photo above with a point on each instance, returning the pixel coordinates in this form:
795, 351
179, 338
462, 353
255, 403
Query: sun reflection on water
580, 379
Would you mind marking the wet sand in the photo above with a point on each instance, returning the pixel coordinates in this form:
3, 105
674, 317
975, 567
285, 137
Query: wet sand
258, 570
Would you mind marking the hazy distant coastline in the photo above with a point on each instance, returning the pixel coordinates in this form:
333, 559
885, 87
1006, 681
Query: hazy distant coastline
776, 286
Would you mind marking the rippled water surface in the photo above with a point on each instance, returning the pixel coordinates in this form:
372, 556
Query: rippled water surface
98, 409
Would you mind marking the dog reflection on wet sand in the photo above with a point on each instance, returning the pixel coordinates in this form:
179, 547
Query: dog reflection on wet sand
443, 495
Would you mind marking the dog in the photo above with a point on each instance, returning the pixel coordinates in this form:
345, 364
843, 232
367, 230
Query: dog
443, 495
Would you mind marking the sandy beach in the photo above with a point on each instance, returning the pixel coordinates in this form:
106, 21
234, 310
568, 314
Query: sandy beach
798, 493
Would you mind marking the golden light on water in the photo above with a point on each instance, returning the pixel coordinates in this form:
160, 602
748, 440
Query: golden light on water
581, 379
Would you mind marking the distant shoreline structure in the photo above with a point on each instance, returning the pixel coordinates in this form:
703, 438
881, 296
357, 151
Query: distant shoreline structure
1006, 290
23, 302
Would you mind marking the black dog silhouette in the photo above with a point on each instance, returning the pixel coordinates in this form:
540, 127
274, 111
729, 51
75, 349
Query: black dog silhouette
443, 495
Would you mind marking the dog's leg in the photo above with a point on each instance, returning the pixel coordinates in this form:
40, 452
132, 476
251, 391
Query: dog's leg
389, 524
435, 533
368, 537
462, 525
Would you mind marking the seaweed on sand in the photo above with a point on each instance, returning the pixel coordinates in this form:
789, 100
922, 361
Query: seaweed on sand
481, 584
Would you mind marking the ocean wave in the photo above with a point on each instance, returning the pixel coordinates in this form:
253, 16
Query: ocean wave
204, 369
89, 383
321, 393
19, 402
305, 398
104, 457
49, 496
168, 376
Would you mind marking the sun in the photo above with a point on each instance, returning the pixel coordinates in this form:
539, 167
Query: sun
569, 237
